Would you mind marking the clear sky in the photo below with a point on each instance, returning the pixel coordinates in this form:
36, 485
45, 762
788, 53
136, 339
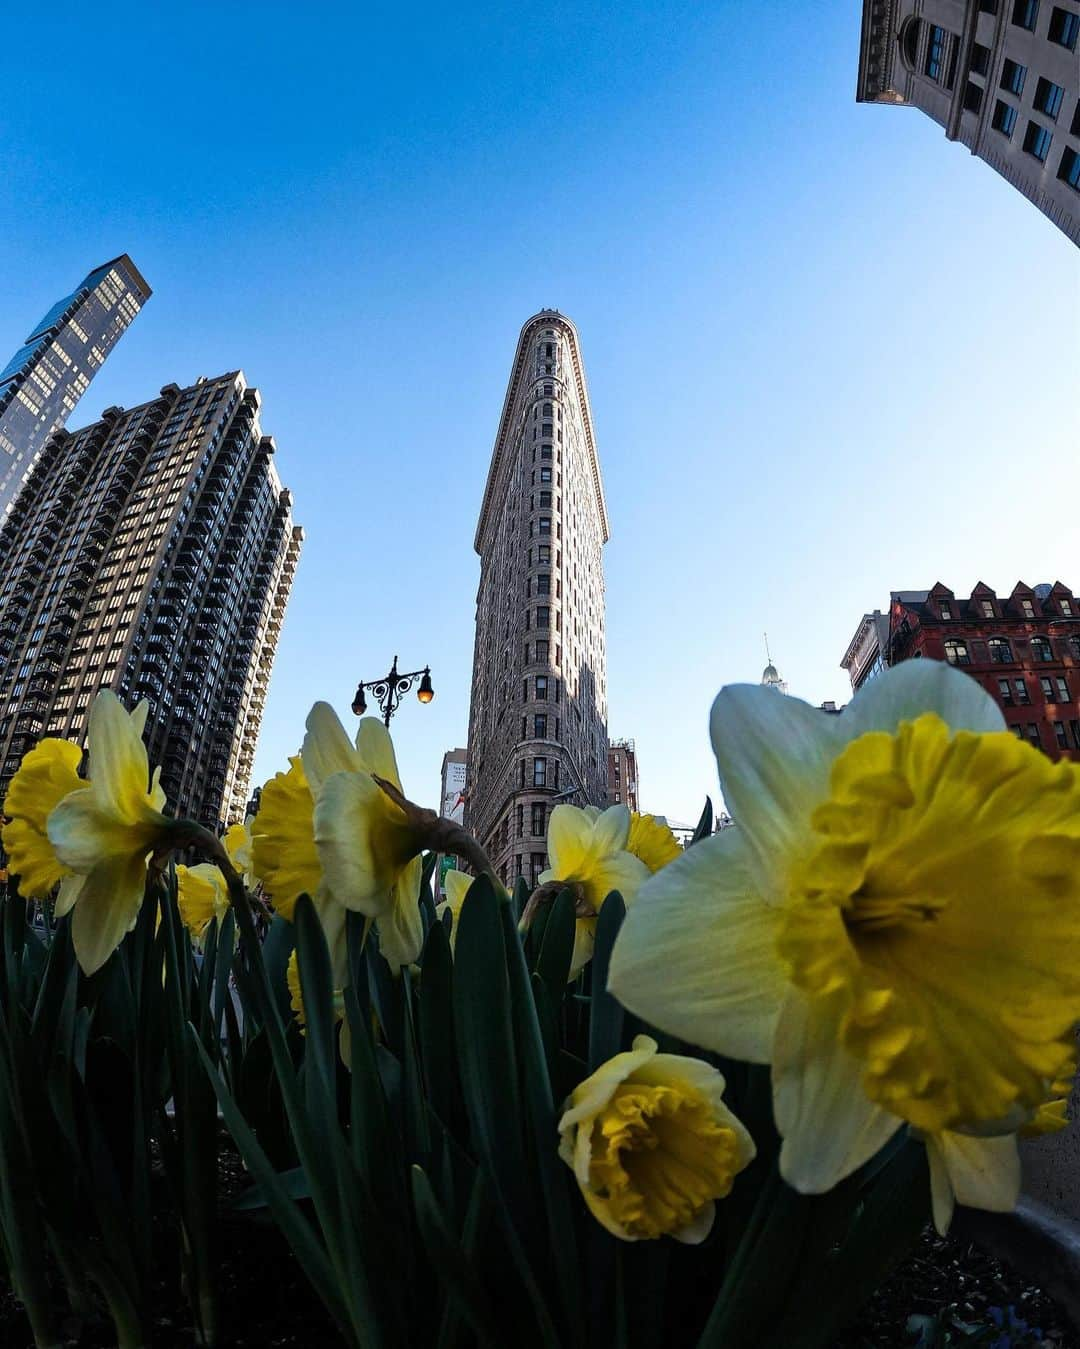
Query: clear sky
830, 354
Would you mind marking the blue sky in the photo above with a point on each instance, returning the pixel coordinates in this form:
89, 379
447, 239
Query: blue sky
829, 353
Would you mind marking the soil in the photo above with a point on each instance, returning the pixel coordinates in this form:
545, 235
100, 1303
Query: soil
266, 1303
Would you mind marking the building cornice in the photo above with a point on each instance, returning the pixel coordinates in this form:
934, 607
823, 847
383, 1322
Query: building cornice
877, 52
545, 318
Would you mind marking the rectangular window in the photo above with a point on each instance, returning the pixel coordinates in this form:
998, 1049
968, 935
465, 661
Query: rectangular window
973, 96
539, 772
543, 616
556, 763
1013, 77
541, 687
540, 726
946, 611
1074, 726
1005, 692
545, 501
988, 6
543, 552
1037, 143
1066, 608
1025, 14
538, 820
1047, 688
1064, 27
544, 523
1004, 118
935, 52
1028, 608
541, 653
1033, 733
519, 823
543, 583
536, 865
1069, 168
980, 58
1048, 98
1022, 696
1062, 689
1059, 735
545, 473
522, 767
988, 608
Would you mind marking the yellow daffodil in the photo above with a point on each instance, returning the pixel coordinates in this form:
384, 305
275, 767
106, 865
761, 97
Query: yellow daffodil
296, 1002
1053, 1115
979, 1172
48, 773
588, 847
651, 839
368, 850
457, 887
101, 832
283, 854
652, 1144
894, 925
239, 846
201, 896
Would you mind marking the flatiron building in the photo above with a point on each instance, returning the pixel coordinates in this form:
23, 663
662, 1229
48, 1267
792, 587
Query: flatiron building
538, 715
50, 372
151, 553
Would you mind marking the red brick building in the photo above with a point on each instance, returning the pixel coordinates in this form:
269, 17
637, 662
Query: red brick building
1024, 650
622, 774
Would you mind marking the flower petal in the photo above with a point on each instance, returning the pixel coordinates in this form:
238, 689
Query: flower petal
108, 905
696, 955
774, 754
401, 930
119, 770
829, 1125
978, 1172
375, 750
568, 839
620, 871
327, 748
85, 829
363, 842
906, 691
694, 1233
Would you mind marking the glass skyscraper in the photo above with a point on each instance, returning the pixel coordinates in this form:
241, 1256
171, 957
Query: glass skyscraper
51, 371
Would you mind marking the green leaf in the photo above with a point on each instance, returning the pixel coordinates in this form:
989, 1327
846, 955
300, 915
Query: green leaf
606, 1016
556, 953
704, 824
435, 1024
294, 1183
455, 1269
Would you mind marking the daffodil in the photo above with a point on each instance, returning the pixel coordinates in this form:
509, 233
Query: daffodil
48, 773
587, 847
296, 1002
201, 896
457, 887
283, 854
239, 845
651, 839
95, 836
894, 926
652, 1144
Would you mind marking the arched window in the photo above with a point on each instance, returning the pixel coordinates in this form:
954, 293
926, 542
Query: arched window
1041, 649
909, 42
956, 652
1000, 650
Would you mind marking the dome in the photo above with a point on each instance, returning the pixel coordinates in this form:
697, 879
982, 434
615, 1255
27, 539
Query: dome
770, 675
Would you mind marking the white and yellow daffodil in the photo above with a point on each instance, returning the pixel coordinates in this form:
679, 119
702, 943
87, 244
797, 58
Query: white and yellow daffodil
201, 896
239, 846
652, 1144
97, 836
587, 847
651, 839
894, 925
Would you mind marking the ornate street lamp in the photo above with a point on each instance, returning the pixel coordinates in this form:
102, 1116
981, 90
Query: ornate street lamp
389, 691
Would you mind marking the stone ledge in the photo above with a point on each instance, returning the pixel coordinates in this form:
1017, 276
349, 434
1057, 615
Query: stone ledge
1038, 1243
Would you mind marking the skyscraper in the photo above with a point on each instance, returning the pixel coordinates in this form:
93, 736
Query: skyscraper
538, 719
1001, 76
50, 372
151, 553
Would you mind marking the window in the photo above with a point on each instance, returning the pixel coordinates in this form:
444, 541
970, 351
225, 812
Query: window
1025, 13
543, 616
545, 474
946, 611
538, 820
1022, 696
540, 726
1069, 168
545, 497
543, 552
519, 825
1064, 27
1028, 608
987, 608
541, 688
539, 772
1073, 644
1048, 98
1005, 693
1032, 729
1047, 688
980, 58
1040, 649
1013, 76
1059, 735
544, 523
1074, 726
1062, 688
935, 53
1004, 118
541, 653
956, 652
521, 765
988, 6
1000, 650
1066, 608
1037, 142
543, 583
973, 96
536, 866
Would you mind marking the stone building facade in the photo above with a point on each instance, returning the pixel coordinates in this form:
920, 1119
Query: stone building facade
624, 787
1001, 77
1023, 649
51, 371
538, 714
151, 553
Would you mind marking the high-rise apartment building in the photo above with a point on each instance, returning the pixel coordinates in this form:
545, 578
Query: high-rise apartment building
151, 553
623, 785
538, 719
1024, 649
50, 372
1002, 78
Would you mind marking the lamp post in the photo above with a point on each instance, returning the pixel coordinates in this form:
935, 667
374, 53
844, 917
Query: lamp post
389, 691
